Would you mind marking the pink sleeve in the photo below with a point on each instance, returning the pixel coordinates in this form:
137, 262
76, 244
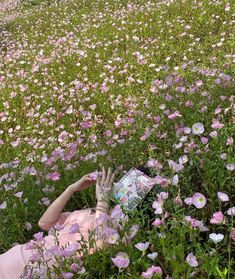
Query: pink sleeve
61, 219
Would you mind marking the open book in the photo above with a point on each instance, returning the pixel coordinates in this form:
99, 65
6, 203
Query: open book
131, 188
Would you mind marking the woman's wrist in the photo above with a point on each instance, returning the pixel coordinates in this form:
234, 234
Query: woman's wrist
104, 202
70, 189
102, 205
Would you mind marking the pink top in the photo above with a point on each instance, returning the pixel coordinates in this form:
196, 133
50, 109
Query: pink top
14, 260
84, 218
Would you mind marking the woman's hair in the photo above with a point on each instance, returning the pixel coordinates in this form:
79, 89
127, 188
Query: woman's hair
145, 170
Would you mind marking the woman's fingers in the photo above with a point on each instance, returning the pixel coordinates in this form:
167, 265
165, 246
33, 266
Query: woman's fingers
108, 176
103, 176
113, 176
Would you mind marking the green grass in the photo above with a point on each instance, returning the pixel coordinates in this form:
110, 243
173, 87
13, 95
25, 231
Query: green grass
104, 30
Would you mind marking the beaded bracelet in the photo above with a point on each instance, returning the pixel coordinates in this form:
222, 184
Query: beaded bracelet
101, 208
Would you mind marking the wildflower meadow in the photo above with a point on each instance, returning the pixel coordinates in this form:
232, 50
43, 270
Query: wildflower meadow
122, 83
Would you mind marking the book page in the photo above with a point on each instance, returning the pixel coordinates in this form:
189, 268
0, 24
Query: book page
132, 188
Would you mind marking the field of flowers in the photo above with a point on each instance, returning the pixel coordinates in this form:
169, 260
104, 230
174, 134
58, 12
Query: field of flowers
123, 83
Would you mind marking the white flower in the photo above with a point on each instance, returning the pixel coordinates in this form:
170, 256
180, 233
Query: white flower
175, 180
152, 256
223, 156
162, 106
161, 235
192, 260
183, 159
142, 246
69, 110
216, 237
3, 205
174, 166
222, 196
230, 167
198, 128
183, 138
231, 211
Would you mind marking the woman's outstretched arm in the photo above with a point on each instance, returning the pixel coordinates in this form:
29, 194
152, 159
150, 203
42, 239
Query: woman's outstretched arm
52, 213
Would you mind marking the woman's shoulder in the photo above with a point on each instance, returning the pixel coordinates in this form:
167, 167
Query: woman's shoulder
84, 210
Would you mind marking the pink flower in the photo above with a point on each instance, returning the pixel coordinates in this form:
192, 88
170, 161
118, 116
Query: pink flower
159, 180
199, 82
191, 260
70, 250
31, 245
151, 270
148, 273
112, 235
102, 218
204, 140
36, 257
142, 246
108, 133
188, 201
222, 196
232, 234
218, 218
187, 130
57, 227
200, 225
158, 205
174, 166
229, 141
121, 260
112, 239
117, 213
54, 176
198, 128
54, 251
74, 228
198, 200
196, 223
38, 236
74, 267
67, 275
213, 134
217, 125
157, 222
133, 230
177, 200
174, 115
163, 195
156, 269
152, 163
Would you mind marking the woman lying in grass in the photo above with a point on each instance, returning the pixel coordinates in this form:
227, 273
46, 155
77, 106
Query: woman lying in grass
70, 224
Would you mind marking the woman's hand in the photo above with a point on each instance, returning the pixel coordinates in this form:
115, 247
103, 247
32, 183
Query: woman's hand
104, 185
84, 182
